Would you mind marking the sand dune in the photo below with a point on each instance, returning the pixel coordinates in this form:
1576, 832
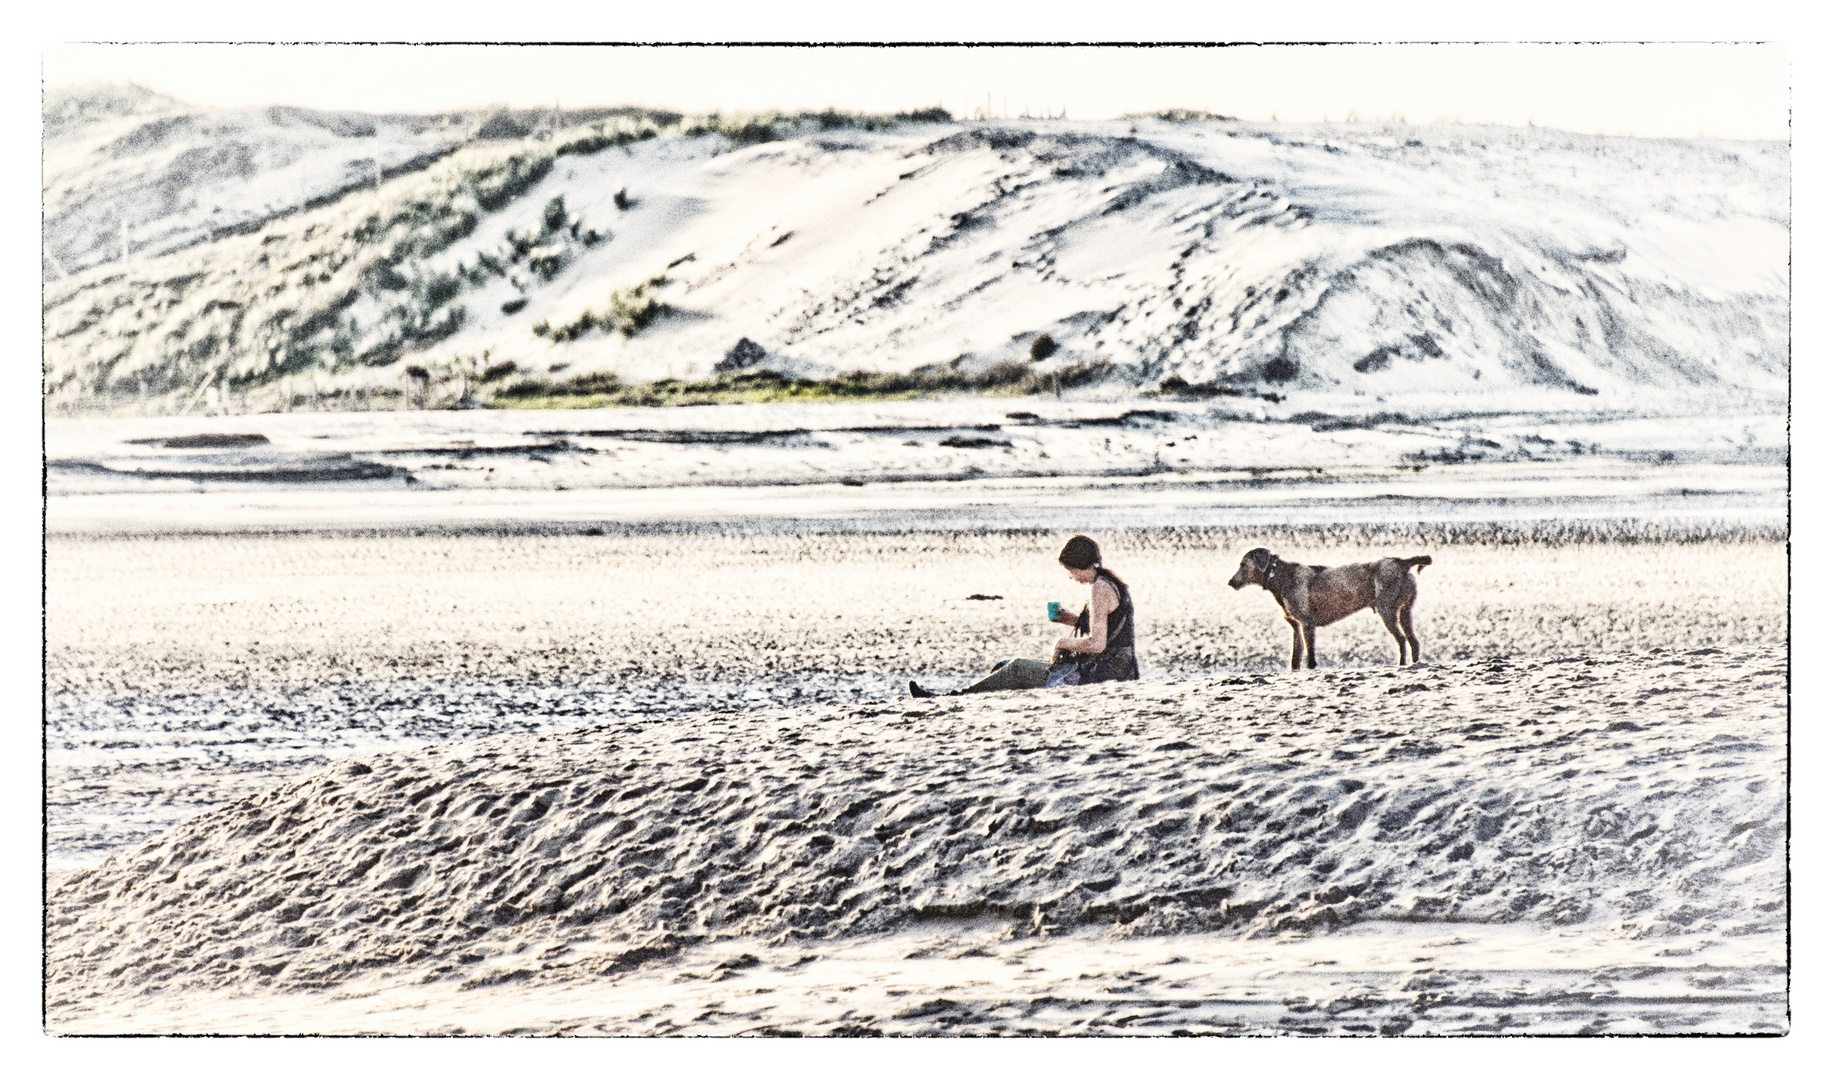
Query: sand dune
1636, 795
1348, 266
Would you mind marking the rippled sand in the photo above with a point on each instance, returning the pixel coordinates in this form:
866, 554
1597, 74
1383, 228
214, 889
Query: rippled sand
1587, 843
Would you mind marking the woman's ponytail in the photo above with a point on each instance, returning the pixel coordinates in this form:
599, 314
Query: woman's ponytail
1082, 553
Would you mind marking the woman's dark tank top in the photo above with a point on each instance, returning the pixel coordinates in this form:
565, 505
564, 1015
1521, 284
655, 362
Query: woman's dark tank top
1117, 661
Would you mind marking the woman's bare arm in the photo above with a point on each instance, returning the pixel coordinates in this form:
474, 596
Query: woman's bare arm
1102, 601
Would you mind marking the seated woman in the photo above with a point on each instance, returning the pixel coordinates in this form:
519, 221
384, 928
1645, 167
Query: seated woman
1103, 646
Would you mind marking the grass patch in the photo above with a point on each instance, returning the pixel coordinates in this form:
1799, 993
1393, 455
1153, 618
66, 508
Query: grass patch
628, 313
1182, 116
1176, 387
603, 390
749, 129
604, 136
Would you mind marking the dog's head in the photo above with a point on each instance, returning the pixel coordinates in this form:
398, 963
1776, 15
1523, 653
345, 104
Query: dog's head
1253, 569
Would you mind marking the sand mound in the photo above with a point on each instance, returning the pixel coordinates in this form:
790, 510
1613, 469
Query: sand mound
1640, 792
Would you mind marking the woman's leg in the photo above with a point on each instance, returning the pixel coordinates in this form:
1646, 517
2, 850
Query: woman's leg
1012, 675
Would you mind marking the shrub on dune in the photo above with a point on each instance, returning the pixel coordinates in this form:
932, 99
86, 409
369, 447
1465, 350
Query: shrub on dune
628, 312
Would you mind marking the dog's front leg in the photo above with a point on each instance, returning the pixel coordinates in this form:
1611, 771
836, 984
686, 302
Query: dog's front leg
1298, 641
1310, 648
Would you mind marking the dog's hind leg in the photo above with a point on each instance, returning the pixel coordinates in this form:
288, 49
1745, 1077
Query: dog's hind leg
1392, 620
1394, 603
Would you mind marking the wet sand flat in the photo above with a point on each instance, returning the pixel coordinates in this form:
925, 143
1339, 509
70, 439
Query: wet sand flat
973, 463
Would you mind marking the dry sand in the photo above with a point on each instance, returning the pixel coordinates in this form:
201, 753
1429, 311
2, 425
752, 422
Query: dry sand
1588, 843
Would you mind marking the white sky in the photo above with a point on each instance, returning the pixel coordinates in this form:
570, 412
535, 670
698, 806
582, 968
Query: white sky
1726, 90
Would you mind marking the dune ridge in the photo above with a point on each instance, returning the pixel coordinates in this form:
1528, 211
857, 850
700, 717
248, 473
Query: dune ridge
1634, 792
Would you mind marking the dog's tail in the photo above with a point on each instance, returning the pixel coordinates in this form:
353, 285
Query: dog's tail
1417, 561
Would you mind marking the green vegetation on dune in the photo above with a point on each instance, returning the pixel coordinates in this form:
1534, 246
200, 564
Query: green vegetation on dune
601, 389
628, 312
1181, 116
745, 129
619, 132
347, 285
252, 309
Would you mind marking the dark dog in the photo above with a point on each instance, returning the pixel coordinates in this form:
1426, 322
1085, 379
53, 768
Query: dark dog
1314, 596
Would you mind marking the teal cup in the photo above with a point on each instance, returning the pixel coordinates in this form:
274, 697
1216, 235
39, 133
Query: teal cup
1054, 609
